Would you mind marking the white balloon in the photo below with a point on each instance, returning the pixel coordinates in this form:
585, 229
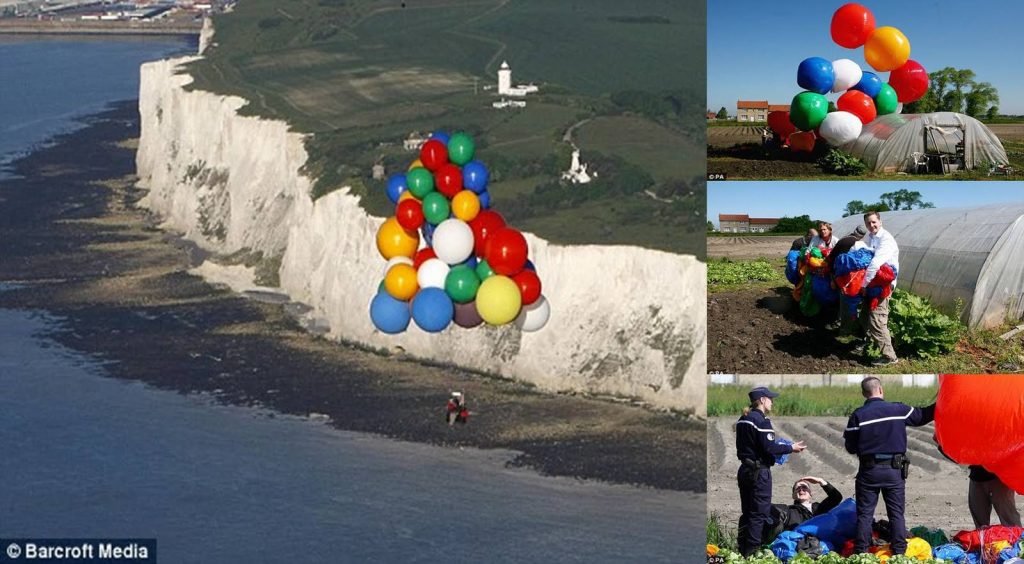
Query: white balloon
432, 273
848, 74
839, 128
397, 260
899, 108
453, 241
534, 316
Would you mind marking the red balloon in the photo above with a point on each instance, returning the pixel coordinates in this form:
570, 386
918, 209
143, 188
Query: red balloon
858, 104
779, 123
802, 141
433, 155
506, 251
909, 81
529, 285
422, 256
851, 25
448, 180
410, 214
485, 223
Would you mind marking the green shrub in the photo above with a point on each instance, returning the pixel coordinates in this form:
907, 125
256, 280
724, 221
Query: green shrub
842, 163
719, 534
917, 327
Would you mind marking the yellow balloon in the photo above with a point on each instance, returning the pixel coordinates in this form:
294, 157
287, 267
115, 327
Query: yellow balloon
405, 196
465, 205
887, 49
400, 282
393, 240
498, 300
415, 164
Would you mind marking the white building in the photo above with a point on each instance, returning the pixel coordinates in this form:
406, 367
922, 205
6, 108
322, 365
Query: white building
577, 173
505, 87
509, 104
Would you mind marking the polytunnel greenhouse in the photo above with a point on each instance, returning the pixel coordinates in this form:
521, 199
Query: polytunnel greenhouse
975, 254
944, 140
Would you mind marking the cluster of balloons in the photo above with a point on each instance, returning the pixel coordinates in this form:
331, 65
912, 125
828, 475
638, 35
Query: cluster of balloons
470, 268
864, 96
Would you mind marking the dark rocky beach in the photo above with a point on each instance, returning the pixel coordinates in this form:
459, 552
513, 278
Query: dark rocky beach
73, 243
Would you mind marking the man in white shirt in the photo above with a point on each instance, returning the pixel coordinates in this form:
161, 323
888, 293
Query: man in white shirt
876, 321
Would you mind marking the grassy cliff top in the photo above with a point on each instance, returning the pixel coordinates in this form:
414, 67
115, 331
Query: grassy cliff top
361, 75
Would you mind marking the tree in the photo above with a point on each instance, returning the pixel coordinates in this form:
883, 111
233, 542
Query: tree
857, 207
981, 96
711, 227
954, 90
722, 113
799, 224
992, 113
903, 200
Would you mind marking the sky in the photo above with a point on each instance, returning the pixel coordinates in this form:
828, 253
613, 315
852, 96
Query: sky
826, 200
754, 49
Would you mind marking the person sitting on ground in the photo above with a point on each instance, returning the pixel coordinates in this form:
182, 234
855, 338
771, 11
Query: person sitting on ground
456, 409
789, 517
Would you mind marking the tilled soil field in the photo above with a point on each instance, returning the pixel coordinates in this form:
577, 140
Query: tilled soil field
936, 489
729, 136
744, 248
1005, 131
761, 331
743, 159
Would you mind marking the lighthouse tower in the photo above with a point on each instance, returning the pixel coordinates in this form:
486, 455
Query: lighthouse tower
504, 78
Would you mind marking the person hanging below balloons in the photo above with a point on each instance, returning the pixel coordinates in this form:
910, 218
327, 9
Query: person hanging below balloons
456, 410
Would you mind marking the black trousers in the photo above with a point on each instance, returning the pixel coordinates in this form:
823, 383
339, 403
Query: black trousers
756, 504
889, 482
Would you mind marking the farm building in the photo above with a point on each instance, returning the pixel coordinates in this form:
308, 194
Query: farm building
742, 223
973, 254
757, 110
903, 142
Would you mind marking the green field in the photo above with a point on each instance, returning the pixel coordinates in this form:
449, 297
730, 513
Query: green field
730, 399
361, 75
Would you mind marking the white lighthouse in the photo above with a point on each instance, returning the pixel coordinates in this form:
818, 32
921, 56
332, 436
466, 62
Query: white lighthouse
504, 78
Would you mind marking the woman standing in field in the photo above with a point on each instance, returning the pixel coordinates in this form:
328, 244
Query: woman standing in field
757, 448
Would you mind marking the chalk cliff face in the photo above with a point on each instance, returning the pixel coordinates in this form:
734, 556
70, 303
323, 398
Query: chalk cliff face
625, 321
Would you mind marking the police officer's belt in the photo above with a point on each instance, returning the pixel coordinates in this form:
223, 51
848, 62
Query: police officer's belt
897, 460
752, 464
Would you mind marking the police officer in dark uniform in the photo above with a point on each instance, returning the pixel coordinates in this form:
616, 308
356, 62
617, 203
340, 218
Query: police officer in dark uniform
756, 448
877, 433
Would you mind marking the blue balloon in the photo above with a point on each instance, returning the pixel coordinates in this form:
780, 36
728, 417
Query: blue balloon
816, 74
471, 262
396, 185
389, 315
428, 233
441, 136
869, 84
485, 199
475, 176
529, 265
432, 309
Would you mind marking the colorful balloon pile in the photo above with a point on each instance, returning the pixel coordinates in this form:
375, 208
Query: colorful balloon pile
472, 268
864, 97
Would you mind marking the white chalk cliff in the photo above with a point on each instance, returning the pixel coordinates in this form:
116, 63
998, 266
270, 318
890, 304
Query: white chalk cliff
625, 321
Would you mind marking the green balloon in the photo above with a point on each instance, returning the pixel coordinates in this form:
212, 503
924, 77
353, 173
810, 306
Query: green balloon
436, 208
484, 270
461, 284
420, 181
886, 100
461, 148
808, 110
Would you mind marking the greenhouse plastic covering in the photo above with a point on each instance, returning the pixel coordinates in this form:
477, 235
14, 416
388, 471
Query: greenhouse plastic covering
973, 254
888, 143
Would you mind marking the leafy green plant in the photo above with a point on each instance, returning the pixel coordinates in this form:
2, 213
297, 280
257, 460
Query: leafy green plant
919, 328
719, 534
730, 273
842, 163
766, 557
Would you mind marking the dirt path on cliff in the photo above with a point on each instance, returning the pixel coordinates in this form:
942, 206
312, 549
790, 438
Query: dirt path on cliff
74, 244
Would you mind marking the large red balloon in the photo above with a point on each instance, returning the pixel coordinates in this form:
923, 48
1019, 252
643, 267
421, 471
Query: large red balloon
506, 251
909, 81
779, 123
851, 25
529, 285
802, 141
422, 256
410, 214
448, 180
858, 104
433, 154
485, 223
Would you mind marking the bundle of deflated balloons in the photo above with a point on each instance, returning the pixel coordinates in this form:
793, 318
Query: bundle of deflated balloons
850, 270
471, 268
864, 96
808, 271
